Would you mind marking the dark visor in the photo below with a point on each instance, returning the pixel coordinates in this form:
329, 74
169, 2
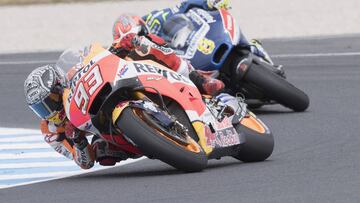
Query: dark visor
47, 107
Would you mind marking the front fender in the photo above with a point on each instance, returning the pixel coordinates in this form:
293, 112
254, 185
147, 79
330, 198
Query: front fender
118, 110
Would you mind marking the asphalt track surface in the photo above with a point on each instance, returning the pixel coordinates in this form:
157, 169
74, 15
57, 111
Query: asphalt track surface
316, 157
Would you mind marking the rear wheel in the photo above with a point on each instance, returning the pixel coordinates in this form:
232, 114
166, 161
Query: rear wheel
276, 87
259, 142
155, 141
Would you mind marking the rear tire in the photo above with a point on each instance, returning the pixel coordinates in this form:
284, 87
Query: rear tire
257, 146
277, 88
155, 144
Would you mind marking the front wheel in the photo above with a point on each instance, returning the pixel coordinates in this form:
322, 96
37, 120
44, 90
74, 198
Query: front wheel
155, 141
277, 88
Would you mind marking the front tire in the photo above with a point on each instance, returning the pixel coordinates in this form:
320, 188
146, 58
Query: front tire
153, 141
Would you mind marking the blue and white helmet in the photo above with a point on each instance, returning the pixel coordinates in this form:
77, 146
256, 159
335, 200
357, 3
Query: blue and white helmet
43, 91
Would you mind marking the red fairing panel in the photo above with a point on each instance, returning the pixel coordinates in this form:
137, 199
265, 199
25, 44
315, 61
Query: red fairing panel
170, 84
86, 84
230, 26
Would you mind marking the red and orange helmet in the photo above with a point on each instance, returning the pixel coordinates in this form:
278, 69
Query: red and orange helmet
126, 24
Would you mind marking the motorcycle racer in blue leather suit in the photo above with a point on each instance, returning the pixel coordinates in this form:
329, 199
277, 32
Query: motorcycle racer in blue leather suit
156, 20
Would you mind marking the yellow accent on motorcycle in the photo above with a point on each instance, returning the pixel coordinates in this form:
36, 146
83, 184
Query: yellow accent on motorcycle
117, 111
218, 4
206, 46
95, 49
200, 131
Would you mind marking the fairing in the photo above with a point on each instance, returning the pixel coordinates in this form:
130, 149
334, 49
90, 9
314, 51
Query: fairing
214, 35
103, 68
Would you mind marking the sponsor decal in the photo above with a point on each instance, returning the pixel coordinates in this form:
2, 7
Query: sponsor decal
122, 71
50, 138
206, 16
165, 50
224, 136
76, 78
224, 124
80, 73
230, 26
146, 68
242, 67
198, 35
150, 106
195, 17
153, 78
88, 126
86, 88
211, 137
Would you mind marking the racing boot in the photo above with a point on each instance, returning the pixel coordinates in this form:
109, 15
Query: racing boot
257, 49
232, 107
106, 153
206, 82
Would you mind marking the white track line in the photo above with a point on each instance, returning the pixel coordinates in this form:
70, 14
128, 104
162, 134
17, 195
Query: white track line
26, 62
17, 131
20, 153
300, 55
23, 139
36, 164
315, 55
66, 175
35, 175
25, 146
30, 155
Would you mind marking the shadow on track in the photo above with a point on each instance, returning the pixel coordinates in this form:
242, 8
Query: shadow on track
276, 110
160, 170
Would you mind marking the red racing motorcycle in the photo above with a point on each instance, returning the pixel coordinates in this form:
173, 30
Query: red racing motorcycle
148, 110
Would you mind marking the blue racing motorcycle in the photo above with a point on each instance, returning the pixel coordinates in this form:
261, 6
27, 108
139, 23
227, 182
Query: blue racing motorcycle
212, 40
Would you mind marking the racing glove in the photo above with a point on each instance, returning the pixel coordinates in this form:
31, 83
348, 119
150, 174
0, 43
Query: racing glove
218, 4
206, 82
127, 42
83, 153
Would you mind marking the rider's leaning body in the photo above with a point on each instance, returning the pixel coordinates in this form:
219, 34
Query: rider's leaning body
157, 19
44, 88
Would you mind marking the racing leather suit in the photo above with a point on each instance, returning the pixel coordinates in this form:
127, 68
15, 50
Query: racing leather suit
156, 20
79, 149
152, 47
55, 136
148, 47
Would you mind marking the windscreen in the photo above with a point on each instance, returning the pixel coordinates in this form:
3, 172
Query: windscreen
177, 30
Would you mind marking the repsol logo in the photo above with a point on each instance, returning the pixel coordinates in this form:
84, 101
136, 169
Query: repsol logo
77, 77
146, 68
80, 73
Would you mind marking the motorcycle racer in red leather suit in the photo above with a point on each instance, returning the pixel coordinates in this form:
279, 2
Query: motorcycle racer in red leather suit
132, 39
44, 87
